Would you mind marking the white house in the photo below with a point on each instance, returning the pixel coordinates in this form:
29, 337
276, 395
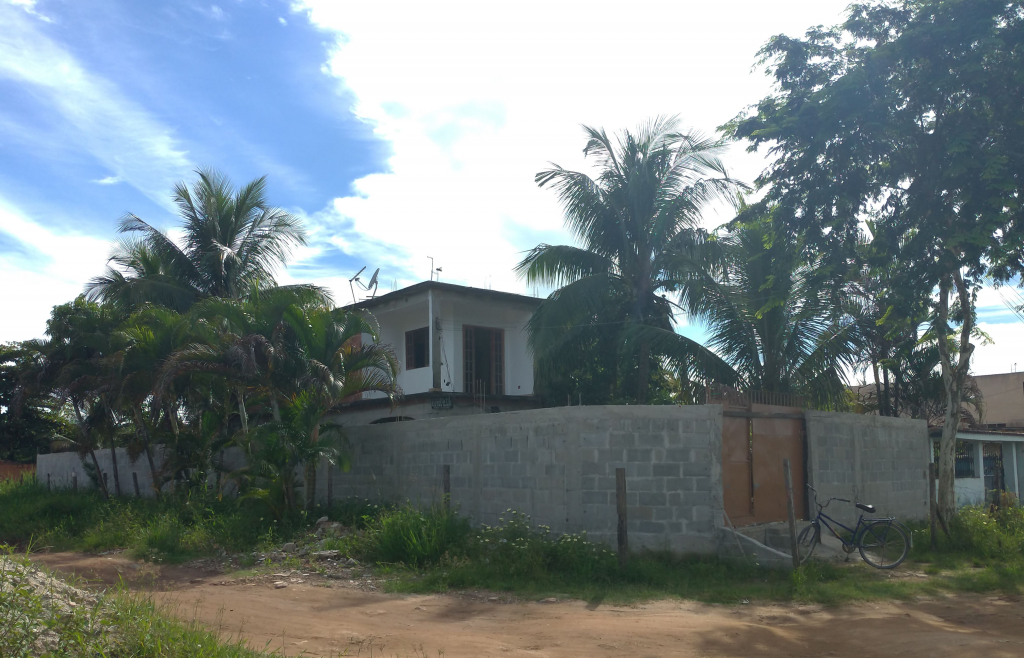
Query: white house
987, 461
460, 350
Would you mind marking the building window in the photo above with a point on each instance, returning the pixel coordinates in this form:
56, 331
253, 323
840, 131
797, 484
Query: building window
964, 466
483, 360
417, 348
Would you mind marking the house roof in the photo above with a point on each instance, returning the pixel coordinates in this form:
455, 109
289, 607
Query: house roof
464, 291
971, 434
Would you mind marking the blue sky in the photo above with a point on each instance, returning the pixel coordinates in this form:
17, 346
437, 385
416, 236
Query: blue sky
399, 131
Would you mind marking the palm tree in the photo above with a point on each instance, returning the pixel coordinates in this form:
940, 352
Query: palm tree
233, 241
338, 366
631, 221
767, 319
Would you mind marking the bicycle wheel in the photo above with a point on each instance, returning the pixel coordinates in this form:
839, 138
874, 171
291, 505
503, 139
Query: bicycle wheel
884, 545
808, 540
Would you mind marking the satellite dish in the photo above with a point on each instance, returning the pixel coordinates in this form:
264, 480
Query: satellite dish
373, 283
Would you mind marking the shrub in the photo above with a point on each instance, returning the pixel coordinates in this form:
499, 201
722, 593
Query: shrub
990, 533
415, 538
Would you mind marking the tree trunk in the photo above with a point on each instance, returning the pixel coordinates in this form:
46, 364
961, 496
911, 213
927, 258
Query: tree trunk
143, 429
643, 372
113, 461
242, 413
99, 475
311, 465
83, 436
885, 392
878, 384
952, 380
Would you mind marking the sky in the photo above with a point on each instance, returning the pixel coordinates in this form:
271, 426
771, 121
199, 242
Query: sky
400, 131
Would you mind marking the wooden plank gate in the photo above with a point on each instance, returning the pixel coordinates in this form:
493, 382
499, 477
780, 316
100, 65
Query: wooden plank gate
755, 439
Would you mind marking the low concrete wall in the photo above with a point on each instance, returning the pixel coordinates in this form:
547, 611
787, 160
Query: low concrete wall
557, 465
57, 469
869, 459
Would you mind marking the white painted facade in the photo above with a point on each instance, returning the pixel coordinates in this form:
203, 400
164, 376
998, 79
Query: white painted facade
971, 490
454, 308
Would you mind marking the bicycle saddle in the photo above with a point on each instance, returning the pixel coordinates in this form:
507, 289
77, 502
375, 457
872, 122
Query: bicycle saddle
870, 509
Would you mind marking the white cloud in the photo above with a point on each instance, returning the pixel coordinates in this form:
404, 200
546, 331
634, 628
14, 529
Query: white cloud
102, 120
1004, 353
109, 180
54, 272
282, 21
29, 6
475, 98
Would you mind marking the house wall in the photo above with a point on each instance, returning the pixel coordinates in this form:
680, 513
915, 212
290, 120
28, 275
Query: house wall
877, 460
458, 312
558, 466
455, 312
394, 321
1003, 397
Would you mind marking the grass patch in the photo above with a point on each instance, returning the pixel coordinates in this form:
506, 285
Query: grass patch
40, 616
436, 550
176, 528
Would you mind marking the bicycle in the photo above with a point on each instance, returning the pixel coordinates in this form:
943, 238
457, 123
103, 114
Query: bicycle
883, 542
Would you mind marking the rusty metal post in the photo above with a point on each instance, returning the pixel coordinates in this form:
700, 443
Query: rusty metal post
933, 512
446, 485
620, 507
791, 512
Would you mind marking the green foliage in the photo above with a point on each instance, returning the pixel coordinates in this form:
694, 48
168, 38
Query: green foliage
416, 538
635, 223
996, 533
36, 622
174, 528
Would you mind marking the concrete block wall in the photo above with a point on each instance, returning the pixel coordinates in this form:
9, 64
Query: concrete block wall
57, 469
870, 459
557, 465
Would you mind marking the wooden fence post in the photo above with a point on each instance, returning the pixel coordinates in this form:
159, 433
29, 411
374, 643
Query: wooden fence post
135, 483
791, 512
446, 486
74, 480
620, 506
48, 487
933, 512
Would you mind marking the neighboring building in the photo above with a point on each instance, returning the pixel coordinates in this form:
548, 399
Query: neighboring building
986, 461
460, 350
1003, 399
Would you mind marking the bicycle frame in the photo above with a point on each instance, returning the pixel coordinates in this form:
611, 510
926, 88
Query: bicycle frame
824, 519
855, 531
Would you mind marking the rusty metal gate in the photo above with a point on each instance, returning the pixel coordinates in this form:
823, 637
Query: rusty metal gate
755, 440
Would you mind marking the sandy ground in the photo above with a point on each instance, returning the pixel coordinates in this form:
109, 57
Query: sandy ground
312, 616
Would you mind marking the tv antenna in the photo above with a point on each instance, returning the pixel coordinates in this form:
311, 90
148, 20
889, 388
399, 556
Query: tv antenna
434, 271
370, 287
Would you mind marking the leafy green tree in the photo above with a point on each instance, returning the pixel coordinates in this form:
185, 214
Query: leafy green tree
79, 339
29, 417
233, 241
907, 114
631, 221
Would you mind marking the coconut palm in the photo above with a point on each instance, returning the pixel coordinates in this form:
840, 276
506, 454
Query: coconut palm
233, 240
767, 319
630, 221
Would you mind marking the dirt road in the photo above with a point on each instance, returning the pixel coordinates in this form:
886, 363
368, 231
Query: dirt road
331, 618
